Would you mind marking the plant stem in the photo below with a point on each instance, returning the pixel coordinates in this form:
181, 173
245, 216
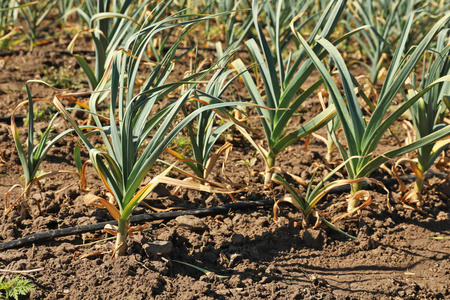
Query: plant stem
305, 222
121, 241
356, 187
354, 202
24, 208
270, 164
418, 187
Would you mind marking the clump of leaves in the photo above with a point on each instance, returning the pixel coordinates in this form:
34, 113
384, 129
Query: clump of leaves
363, 134
125, 163
32, 158
13, 288
282, 78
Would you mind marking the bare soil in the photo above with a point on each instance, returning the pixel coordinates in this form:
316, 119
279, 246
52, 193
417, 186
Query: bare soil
264, 258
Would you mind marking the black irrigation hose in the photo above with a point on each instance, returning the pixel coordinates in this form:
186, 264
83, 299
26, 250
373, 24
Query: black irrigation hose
18, 119
201, 212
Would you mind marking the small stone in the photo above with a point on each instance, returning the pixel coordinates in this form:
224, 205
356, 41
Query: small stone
158, 248
237, 239
191, 222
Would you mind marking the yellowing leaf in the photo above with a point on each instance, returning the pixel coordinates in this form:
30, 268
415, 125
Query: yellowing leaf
92, 200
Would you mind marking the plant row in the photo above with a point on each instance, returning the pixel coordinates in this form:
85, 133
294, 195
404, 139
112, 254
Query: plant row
286, 42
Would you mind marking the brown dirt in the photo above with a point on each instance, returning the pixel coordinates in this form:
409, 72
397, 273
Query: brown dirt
393, 258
